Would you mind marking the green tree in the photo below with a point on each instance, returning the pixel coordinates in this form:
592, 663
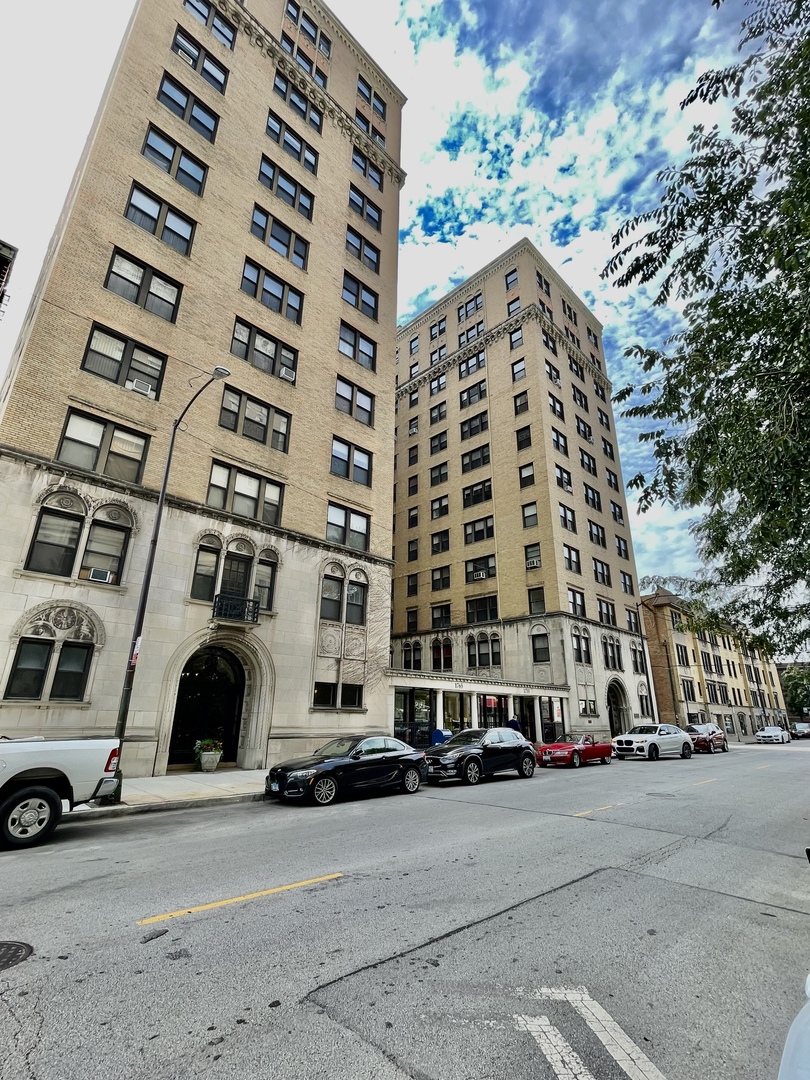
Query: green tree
796, 684
725, 403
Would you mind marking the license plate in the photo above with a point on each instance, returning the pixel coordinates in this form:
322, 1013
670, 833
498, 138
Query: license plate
273, 787
546, 757
431, 768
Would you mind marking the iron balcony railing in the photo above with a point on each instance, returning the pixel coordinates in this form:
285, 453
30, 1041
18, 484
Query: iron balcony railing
236, 608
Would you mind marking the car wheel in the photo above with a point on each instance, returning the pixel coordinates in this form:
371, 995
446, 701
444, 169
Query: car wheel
575, 760
606, 760
471, 772
411, 781
325, 790
724, 747
686, 751
526, 768
28, 816
710, 747
652, 753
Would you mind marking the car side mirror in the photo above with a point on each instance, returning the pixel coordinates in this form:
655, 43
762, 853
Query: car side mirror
357, 754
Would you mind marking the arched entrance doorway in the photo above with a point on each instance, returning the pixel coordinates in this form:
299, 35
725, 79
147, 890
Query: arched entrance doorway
208, 705
618, 709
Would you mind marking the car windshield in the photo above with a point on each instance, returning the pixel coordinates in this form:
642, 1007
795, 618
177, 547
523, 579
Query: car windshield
644, 729
697, 729
570, 739
466, 738
337, 747
770, 730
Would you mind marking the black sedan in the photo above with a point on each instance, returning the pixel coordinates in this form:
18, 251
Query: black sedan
349, 763
478, 752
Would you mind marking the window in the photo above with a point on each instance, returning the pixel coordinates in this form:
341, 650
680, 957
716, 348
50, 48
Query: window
471, 364
592, 338
351, 462
263, 351
592, 497
55, 543
298, 102
474, 426
378, 106
174, 160
358, 347
332, 601
206, 567
637, 659
362, 250
607, 449
617, 513
563, 478
588, 462
209, 16
576, 603
440, 578
366, 209
571, 559
413, 371
559, 441
413, 346
612, 479
529, 511
413, 426
469, 308
243, 493
577, 368
438, 328
472, 394
542, 283
474, 459
604, 419
484, 652
587, 707
599, 390
412, 586
438, 442
291, 142
360, 296
584, 429
160, 219
627, 583
568, 519
367, 168
410, 619
277, 236
272, 291
612, 654
439, 616
200, 60
523, 438
479, 568
124, 361
572, 337
413, 550
518, 370
579, 398
438, 355
440, 541
413, 517
482, 609
549, 341
521, 402
531, 554
623, 553
526, 475
482, 529
537, 601
596, 534
556, 407
442, 655
607, 612
365, 125
540, 649
439, 507
142, 285
601, 572
511, 279
88, 442
32, 660
471, 333
688, 688
438, 384
438, 474
513, 306
582, 647
185, 105
682, 655
516, 338
413, 485
569, 312
287, 189
438, 412
633, 623
344, 526
413, 455
476, 493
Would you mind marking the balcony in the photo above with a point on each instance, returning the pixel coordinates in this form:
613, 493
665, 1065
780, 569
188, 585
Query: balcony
236, 608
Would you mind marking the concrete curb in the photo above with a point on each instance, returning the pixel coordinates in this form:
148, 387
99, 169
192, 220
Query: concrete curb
102, 813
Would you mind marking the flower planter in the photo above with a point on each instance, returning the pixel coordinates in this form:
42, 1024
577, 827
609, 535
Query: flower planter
209, 760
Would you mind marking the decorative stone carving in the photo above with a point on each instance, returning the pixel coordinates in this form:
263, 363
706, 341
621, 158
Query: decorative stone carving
243, 547
354, 644
61, 622
329, 640
336, 570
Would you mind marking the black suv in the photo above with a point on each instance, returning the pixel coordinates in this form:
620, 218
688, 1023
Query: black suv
478, 752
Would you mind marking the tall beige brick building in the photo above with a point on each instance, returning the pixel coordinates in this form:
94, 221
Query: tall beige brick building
515, 587
236, 205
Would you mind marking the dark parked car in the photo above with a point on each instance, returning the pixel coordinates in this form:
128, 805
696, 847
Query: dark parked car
800, 730
707, 737
349, 763
478, 752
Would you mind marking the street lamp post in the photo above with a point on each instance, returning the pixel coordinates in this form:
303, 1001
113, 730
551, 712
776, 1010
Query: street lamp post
135, 647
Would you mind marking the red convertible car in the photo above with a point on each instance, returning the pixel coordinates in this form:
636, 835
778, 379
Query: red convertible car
574, 750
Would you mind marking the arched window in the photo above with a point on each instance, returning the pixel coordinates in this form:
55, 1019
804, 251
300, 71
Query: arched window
582, 646
341, 600
612, 653
264, 583
436, 650
483, 650
417, 656
447, 654
407, 661
442, 654
63, 529
203, 584
54, 654
472, 653
644, 706
495, 650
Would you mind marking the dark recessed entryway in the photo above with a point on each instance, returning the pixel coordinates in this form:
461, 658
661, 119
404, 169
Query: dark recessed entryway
209, 705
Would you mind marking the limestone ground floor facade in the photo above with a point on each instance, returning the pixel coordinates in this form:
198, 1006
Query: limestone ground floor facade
269, 641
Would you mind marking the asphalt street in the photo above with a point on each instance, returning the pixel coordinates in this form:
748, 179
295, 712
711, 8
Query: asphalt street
649, 920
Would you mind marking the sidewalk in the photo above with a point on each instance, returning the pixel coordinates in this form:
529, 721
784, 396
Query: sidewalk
178, 791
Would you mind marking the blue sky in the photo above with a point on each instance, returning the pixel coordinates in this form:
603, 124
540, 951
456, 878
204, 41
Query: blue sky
546, 120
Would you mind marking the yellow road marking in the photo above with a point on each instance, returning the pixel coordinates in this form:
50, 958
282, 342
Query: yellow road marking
714, 781
237, 899
584, 813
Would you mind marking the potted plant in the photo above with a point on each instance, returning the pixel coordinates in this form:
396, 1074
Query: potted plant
207, 753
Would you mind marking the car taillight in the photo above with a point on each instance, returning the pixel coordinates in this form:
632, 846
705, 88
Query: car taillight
112, 761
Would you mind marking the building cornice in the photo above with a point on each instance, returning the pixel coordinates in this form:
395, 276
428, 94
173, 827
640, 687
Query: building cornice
472, 683
261, 39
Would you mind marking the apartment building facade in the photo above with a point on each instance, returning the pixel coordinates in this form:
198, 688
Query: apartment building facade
237, 204
515, 585
703, 677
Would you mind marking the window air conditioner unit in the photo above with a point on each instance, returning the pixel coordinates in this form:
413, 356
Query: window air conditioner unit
556, 381
532, 564
567, 487
95, 574
287, 373
140, 386
480, 575
590, 438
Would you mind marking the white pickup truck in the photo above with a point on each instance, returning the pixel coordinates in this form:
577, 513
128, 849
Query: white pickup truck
37, 775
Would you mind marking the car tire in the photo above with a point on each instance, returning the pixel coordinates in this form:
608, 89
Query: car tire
29, 816
526, 767
411, 780
653, 753
471, 771
686, 751
710, 747
724, 747
576, 760
606, 760
324, 791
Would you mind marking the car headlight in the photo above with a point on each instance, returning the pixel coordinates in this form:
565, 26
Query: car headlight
447, 758
301, 774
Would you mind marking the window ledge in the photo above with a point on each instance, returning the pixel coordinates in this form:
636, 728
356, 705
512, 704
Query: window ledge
71, 582
35, 703
338, 709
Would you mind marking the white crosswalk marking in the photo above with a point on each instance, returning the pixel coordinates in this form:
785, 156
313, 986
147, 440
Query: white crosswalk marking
564, 1060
